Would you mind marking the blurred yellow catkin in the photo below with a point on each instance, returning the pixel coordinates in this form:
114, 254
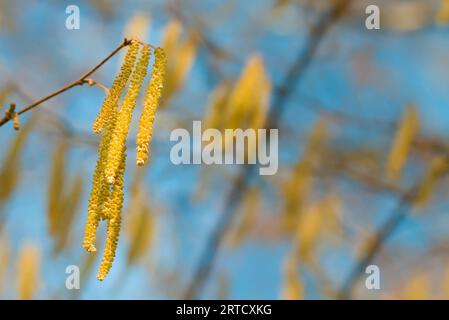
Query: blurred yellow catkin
55, 189
149, 106
9, 172
180, 54
5, 255
308, 230
217, 103
71, 200
401, 144
250, 98
140, 228
292, 288
438, 167
138, 26
417, 287
442, 16
28, 271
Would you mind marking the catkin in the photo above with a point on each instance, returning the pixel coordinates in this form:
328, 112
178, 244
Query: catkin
113, 208
118, 85
100, 188
150, 105
28, 271
118, 139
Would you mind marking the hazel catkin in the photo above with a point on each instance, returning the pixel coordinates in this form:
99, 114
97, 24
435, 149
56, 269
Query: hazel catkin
118, 85
113, 208
118, 139
150, 104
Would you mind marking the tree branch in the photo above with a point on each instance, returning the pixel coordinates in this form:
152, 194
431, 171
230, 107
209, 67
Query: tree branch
380, 237
240, 186
79, 82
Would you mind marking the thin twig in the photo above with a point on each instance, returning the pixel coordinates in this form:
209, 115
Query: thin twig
78, 82
240, 186
91, 82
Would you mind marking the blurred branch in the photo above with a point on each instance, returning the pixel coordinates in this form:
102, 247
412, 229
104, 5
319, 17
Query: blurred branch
84, 79
384, 232
281, 95
376, 243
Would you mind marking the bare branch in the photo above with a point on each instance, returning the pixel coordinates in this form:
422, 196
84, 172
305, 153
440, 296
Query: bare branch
78, 82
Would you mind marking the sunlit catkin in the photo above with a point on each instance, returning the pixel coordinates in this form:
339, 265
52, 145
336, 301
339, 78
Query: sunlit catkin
118, 85
150, 105
113, 206
100, 188
120, 133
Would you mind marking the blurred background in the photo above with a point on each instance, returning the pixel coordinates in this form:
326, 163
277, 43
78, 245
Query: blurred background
363, 151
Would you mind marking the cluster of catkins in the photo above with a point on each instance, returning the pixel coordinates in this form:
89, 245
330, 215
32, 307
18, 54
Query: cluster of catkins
106, 198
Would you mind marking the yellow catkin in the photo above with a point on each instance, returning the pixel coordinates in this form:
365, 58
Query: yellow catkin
181, 55
172, 33
442, 16
100, 188
140, 230
72, 201
55, 185
402, 143
217, 105
418, 287
5, 254
118, 85
28, 272
292, 288
118, 139
113, 206
438, 167
308, 231
248, 102
150, 105
9, 172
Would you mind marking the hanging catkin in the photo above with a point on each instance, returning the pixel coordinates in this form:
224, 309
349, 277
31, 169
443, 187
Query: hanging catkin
106, 198
120, 133
100, 188
113, 208
150, 105
118, 85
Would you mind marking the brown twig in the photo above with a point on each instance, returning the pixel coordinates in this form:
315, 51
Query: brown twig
78, 82
91, 82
